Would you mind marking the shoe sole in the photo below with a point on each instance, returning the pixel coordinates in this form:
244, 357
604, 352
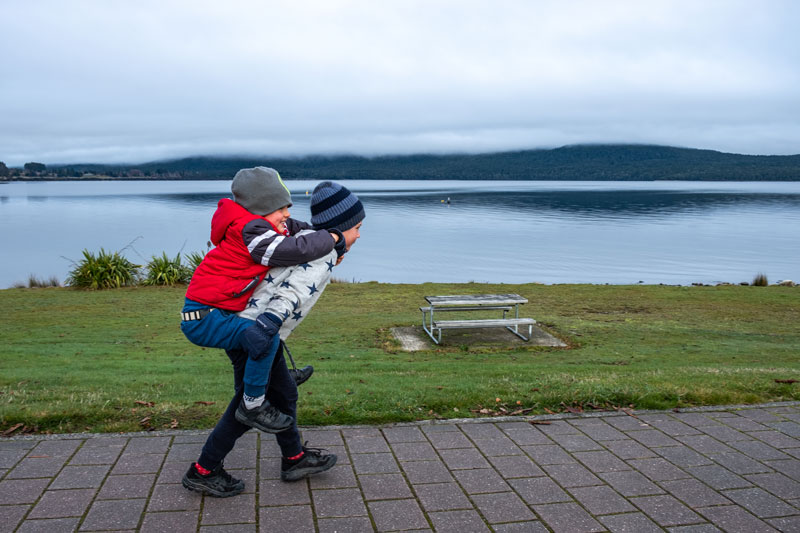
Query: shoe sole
297, 475
265, 429
196, 487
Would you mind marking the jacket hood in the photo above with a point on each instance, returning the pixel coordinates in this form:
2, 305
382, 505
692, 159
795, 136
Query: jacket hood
226, 214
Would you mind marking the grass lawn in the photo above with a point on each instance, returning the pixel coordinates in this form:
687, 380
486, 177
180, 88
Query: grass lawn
116, 360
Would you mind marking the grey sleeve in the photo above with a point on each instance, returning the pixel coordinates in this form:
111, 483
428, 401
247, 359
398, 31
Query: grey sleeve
270, 248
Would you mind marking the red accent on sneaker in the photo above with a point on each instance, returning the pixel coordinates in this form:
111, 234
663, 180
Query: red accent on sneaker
200, 470
296, 457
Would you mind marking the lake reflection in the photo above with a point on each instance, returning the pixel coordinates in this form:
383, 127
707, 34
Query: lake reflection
550, 232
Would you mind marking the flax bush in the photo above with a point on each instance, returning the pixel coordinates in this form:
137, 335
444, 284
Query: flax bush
165, 271
104, 270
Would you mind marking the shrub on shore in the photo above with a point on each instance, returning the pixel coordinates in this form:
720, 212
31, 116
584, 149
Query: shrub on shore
104, 270
760, 280
35, 282
165, 271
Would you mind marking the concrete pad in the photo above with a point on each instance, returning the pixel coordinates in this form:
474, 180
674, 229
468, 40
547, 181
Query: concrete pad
414, 338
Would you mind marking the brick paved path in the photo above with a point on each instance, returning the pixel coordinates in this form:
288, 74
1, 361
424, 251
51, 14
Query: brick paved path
694, 471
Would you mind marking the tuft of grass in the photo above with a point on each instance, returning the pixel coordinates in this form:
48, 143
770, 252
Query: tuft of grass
165, 271
35, 282
194, 259
104, 270
760, 280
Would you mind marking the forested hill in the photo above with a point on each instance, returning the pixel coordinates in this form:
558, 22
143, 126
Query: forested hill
579, 162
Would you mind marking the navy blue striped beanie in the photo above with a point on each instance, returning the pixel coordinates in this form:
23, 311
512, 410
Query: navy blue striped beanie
334, 206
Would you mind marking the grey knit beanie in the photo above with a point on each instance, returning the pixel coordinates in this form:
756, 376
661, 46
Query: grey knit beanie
333, 206
260, 190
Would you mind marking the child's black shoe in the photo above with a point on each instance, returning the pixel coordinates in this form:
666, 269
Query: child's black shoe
266, 418
312, 462
217, 483
301, 375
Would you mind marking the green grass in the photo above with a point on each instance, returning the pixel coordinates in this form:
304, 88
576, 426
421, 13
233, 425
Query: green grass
116, 360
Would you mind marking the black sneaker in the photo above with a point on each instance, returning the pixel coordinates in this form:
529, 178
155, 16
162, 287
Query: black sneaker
312, 462
217, 483
266, 417
301, 375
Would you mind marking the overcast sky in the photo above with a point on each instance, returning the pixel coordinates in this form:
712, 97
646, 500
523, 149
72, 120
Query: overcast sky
135, 81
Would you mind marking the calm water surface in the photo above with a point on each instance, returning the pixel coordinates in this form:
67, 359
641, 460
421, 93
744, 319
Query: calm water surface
512, 232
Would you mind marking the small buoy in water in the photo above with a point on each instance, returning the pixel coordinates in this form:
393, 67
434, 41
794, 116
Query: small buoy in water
306, 193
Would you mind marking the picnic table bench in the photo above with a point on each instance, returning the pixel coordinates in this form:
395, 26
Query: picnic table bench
475, 302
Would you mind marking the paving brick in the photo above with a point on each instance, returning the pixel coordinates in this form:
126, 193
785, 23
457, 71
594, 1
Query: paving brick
497, 447
391, 515
8, 458
270, 448
576, 443
630, 483
760, 503
449, 439
362, 432
760, 415
37, 466
627, 423
776, 439
338, 502
658, 469
62, 503
790, 467
539, 490
600, 431
49, 525
629, 523
744, 424
7, 445
666, 510
414, 451
191, 437
787, 428
653, 438
129, 486
558, 427
286, 519
81, 477
521, 527
568, 518
56, 448
457, 522
338, 477
725, 433
439, 427
548, 455
374, 463
148, 445
683, 456
15, 491
174, 522
173, 498
601, 500
760, 451
528, 436
355, 524
674, 428
510, 466
426, 472
740, 463
114, 514
323, 437
734, 518
629, 449
481, 431
170, 473
789, 523
238, 510
718, 478
697, 528
384, 487
442, 497
704, 444
403, 434
185, 452
481, 480
276, 492
502, 507
241, 457
367, 444
601, 461
11, 515
777, 484
143, 463
96, 455
572, 475
462, 459
696, 420
693, 493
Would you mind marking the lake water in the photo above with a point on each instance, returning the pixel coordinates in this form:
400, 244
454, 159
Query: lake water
491, 231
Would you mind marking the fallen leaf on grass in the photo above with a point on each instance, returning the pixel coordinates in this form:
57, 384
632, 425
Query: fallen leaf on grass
145, 422
205, 403
539, 422
12, 429
146, 404
173, 424
789, 381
